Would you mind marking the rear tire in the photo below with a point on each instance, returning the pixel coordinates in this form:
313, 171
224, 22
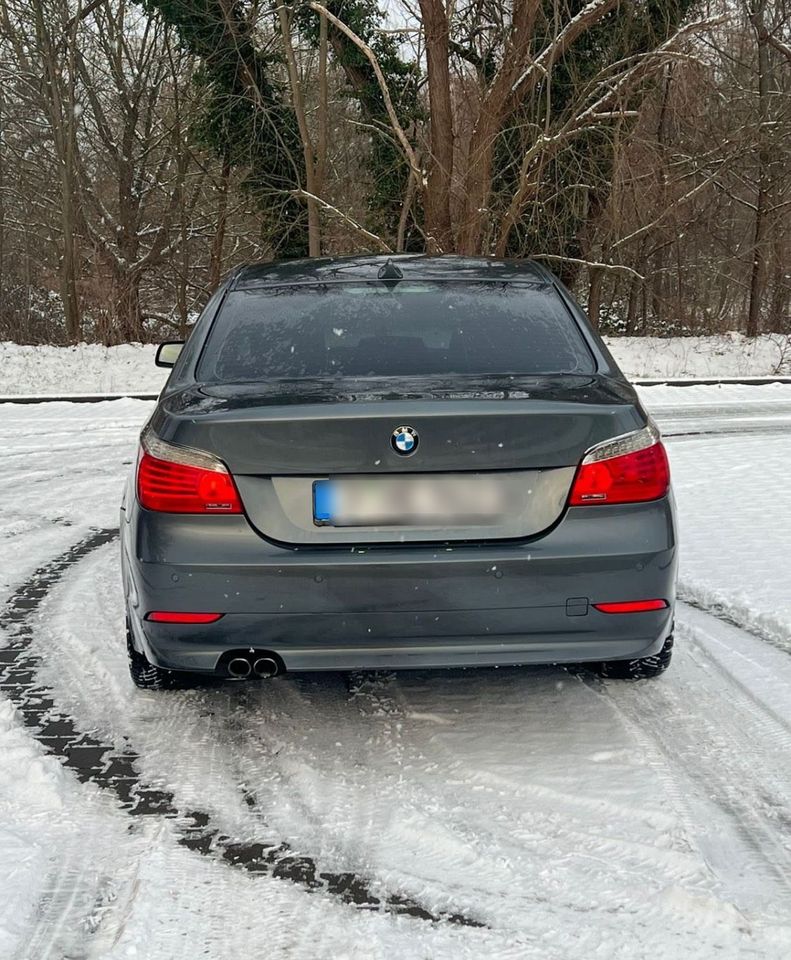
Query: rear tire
643, 669
147, 676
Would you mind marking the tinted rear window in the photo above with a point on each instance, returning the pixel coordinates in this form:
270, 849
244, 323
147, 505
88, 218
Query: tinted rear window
407, 329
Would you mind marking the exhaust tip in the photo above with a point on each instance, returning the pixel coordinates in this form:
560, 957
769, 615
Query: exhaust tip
239, 668
265, 667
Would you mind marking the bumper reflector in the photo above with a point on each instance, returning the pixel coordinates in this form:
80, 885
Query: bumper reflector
631, 606
169, 616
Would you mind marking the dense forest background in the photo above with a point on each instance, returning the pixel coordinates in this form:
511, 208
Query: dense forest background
641, 148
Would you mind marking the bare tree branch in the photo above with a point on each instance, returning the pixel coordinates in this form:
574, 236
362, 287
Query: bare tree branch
378, 242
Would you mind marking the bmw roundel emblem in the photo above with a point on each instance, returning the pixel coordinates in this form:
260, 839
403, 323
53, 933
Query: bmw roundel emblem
404, 440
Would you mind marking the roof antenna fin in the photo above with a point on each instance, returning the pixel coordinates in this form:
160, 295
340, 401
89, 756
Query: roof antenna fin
389, 271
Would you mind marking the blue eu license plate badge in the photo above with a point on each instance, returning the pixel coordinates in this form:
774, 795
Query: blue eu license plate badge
323, 501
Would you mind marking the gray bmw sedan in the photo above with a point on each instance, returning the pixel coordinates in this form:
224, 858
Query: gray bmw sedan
396, 462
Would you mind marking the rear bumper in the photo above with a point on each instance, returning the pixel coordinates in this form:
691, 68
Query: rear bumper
401, 607
200, 653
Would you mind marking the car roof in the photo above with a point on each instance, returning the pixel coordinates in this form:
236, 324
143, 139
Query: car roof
388, 266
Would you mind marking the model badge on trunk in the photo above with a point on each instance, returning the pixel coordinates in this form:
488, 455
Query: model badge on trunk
404, 440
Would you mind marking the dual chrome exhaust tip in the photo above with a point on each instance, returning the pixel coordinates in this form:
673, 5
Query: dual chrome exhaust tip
253, 665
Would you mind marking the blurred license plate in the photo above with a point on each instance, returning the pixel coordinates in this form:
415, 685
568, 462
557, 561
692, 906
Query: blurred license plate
407, 501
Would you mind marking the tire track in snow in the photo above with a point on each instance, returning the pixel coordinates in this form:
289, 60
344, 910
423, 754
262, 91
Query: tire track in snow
383, 695
724, 765
103, 764
73, 903
400, 803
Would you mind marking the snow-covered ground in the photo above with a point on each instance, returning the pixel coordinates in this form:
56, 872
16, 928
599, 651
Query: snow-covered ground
84, 368
511, 813
697, 358
92, 368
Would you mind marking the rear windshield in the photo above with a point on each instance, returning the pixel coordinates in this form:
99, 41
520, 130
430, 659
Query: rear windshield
403, 329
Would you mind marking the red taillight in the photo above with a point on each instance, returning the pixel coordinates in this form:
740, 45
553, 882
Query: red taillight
630, 606
173, 479
176, 488
170, 616
625, 476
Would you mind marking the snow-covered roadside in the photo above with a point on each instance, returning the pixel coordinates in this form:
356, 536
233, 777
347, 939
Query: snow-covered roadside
63, 469
726, 355
733, 498
735, 520
129, 368
83, 368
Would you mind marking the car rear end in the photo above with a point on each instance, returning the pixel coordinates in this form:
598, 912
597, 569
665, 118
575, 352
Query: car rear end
428, 470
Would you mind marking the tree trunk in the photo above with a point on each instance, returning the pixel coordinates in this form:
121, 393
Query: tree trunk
322, 137
403, 220
633, 307
68, 273
69, 294
309, 154
758, 269
478, 181
497, 105
2, 194
129, 327
218, 241
779, 319
594, 296
59, 87
439, 228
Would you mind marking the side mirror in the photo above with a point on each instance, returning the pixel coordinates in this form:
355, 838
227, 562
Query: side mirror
168, 353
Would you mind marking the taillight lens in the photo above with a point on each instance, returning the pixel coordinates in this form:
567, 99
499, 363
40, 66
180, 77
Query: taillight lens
628, 469
173, 479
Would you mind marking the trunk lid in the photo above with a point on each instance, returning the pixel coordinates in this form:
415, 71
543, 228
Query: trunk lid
277, 439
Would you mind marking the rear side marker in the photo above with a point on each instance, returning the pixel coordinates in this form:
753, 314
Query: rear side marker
631, 606
171, 616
